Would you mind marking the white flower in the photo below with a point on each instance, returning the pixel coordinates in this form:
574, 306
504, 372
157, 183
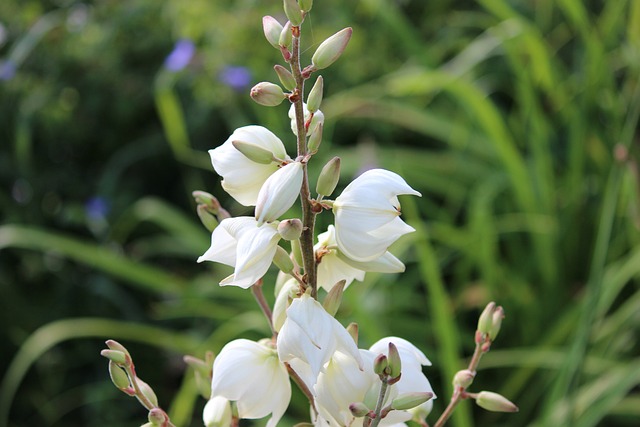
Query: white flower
286, 292
279, 192
243, 178
250, 374
318, 117
240, 243
217, 412
367, 214
313, 335
334, 266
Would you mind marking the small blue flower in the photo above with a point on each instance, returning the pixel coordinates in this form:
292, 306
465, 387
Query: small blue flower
7, 70
96, 208
236, 77
180, 56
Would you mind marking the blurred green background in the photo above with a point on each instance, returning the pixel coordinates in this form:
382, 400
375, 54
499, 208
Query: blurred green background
516, 120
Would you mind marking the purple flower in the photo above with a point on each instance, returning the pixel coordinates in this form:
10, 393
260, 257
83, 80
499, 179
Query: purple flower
180, 56
236, 77
7, 70
96, 208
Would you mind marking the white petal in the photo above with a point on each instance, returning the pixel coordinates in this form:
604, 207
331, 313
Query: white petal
387, 263
217, 412
223, 245
279, 192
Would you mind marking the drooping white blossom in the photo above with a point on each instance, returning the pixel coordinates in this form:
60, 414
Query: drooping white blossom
367, 214
217, 412
334, 266
240, 243
313, 335
243, 178
279, 192
251, 375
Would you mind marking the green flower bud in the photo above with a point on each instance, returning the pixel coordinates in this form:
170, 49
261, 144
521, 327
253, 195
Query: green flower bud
282, 260
315, 139
157, 417
115, 345
208, 220
333, 299
118, 376
463, 378
290, 229
293, 12
254, 152
410, 400
359, 409
486, 318
329, 177
495, 402
315, 95
115, 355
272, 30
395, 364
380, 364
331, 49
285, 76
147, 391
267, 94
496, 322
352, 328
208, 200
306, 5
286, 36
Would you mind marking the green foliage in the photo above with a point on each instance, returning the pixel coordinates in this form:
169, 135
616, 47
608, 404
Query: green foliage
515, 120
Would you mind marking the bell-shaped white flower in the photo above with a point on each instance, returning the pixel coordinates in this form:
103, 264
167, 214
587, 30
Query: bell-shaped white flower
342, 383
313, 335
250, 374
334, 266
279, 192
217, 412
318, 118
242, 177
367, 214
240, 243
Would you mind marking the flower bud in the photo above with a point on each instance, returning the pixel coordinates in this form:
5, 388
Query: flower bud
331, 49
359, 409
293, 12
279, 192
157, 417
290, 229
254, 152
315, 95
272, 30
285, 76
463, 378
486, 318
286, 36
495, 402
115, 345
217, 412
282, 260
208, 220
329, 177
305, 5
395, 364
267, 94
380, 364
352, 328
333, 299
115, 356
119, 377
410, 400
147, 391
496, 322
315, 139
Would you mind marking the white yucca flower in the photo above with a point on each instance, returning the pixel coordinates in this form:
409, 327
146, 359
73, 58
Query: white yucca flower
279, 192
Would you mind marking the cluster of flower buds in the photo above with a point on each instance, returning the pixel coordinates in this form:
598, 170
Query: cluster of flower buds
123, 375
489, 325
